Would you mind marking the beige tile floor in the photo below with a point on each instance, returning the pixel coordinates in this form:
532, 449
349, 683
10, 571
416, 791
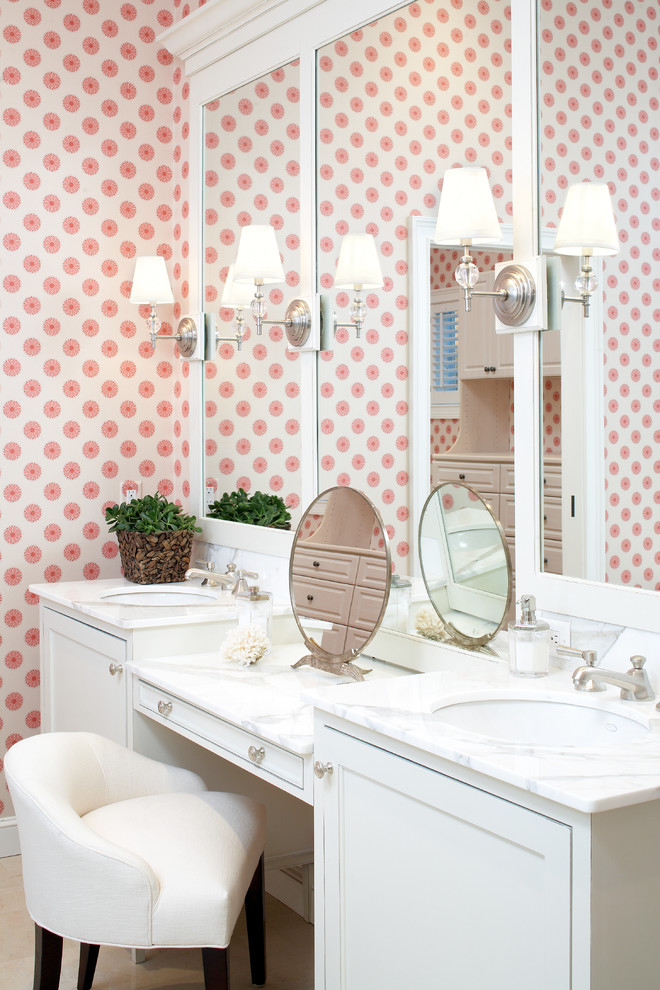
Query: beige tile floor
289, 949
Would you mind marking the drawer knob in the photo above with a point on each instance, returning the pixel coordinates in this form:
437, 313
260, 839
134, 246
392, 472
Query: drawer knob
164, 707
461, 477
115, 668
316, 563
310, 598
320, 769
256, 754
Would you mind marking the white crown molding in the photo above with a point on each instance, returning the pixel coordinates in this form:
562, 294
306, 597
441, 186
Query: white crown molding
222, 26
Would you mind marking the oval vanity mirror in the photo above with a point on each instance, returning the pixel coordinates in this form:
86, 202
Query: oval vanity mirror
466, 564
339, 579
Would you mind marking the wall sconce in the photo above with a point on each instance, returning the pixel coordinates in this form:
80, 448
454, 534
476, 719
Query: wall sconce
258, 261
236, 296
358, 268
467, 215
151, 285
586, 229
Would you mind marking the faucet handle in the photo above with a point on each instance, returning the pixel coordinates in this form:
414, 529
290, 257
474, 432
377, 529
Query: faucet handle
638, 662
208, 564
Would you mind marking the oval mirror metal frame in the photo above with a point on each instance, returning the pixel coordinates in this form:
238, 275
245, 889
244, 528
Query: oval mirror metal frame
318, 657
453, 634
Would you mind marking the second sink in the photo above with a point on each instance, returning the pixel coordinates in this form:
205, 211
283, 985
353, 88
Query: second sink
540, 722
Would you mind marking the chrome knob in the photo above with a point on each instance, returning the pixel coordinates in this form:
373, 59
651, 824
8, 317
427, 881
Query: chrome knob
320, 769
257, 755
637, 661
115, 668
164, 707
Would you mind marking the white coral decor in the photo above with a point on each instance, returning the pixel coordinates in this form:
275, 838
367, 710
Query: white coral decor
245, 645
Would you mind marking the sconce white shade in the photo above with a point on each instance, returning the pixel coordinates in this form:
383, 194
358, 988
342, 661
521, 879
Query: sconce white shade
358, 265
236, 295
467, 210
151, 283
587, 224
258, 257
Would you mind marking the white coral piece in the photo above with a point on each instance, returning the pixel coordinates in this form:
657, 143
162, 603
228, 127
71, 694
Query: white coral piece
245, 645
428, 624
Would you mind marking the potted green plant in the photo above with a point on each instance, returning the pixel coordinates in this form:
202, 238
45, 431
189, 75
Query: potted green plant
260, 509
155, 538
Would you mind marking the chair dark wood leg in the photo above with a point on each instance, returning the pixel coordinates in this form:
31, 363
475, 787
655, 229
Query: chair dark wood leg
47, 959
88, 956
255, 916
216, 968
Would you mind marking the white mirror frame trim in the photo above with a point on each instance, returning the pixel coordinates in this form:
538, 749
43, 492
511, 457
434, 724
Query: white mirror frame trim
633, 607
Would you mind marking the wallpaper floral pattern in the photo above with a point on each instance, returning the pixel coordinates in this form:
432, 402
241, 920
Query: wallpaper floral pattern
94, 170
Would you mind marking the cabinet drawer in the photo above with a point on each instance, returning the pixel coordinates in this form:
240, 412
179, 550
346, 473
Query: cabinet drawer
328, 565
366, 607
507, 478
372, 572
483, 477
225, 738
552, 557
552, 479
323, 599
552, 518
508, 515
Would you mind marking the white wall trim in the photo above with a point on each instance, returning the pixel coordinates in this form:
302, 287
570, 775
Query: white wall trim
9, 845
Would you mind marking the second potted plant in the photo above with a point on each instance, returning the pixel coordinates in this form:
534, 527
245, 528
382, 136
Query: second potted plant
155, 538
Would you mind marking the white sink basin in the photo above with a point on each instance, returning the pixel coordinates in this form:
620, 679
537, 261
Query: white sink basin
539, 722
158, 594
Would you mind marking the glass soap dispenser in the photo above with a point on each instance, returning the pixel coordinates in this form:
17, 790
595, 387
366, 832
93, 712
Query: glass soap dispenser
529, 642
255, 608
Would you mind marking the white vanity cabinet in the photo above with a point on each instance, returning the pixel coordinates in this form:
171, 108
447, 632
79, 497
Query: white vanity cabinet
86, 645
83, 678
433, 875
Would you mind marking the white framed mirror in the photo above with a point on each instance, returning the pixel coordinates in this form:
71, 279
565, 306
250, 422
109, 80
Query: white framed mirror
592, 599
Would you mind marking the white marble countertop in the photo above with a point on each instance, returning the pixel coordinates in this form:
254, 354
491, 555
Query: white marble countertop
86, 597
265, 698
587, 778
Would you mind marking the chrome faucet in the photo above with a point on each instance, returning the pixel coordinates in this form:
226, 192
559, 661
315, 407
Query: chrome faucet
207, 572
635, 684
238, 579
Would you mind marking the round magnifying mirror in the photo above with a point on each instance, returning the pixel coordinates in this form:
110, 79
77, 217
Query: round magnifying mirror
339, 579
466, 564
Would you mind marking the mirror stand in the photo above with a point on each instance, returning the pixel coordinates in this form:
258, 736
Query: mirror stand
339, 667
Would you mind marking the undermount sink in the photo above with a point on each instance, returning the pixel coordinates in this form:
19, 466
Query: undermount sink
538, 722
158, 594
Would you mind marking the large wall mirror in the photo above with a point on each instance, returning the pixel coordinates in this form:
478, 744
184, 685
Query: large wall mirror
252, 408
598, 121
427, 82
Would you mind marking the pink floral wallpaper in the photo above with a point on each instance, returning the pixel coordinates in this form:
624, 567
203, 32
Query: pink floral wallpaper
94, 173
600, 100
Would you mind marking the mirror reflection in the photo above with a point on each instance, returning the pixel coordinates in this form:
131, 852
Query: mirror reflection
252, 410
400, 100
339, 578
465, 564
598, 123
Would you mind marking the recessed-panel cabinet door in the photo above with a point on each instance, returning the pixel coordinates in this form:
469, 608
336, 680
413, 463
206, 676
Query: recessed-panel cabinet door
83, 686
430, 882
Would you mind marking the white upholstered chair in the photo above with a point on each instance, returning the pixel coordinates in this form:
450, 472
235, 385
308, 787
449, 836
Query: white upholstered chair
121, 850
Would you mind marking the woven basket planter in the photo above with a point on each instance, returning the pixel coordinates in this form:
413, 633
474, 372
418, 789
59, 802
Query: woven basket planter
155, 558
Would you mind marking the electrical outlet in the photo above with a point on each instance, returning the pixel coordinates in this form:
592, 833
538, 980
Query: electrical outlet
129, 491
560, 631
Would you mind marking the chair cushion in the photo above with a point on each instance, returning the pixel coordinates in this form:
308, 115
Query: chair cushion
203, 850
